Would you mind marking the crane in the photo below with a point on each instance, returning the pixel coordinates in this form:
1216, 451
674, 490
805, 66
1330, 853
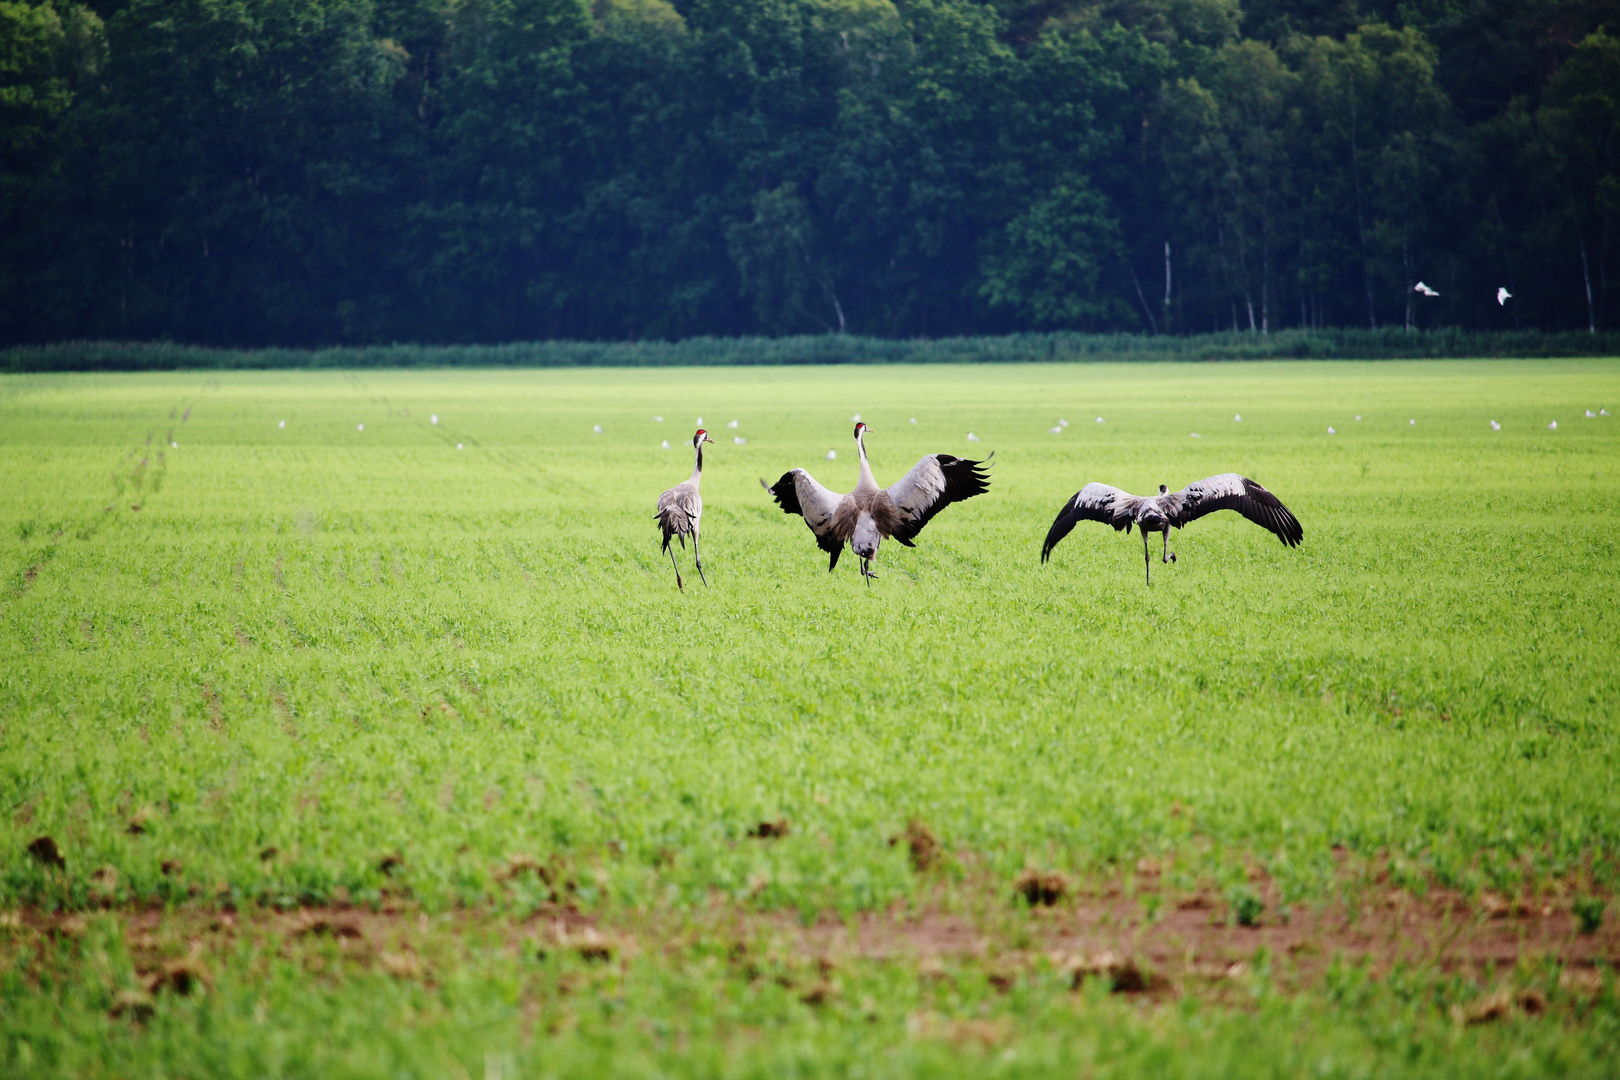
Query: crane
679, 510
1164, 511
869, 515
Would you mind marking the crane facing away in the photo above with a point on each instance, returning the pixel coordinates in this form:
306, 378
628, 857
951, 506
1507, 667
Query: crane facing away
679, 510
869, 515
1164, 511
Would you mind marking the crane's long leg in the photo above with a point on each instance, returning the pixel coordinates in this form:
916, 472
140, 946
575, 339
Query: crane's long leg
672, 562
1147, 557
697, 557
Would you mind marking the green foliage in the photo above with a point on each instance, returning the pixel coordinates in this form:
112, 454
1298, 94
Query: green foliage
823, 349
369, 171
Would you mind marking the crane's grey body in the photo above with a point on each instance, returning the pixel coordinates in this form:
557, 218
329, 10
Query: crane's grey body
680, 509
867, 516
1167, 510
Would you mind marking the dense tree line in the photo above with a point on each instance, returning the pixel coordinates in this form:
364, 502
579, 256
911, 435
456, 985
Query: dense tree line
329, 171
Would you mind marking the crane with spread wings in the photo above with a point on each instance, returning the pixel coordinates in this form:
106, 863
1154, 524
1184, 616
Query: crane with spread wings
1164, 511
867, 516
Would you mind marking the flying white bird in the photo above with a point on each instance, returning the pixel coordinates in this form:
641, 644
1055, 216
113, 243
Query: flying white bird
1503, 296
869, 515
972, 437
1553, 426
732, 424
1164, 511
282, 424
1424, 289
739, 440
1495, 426
597, 428
1054, 431
679, 509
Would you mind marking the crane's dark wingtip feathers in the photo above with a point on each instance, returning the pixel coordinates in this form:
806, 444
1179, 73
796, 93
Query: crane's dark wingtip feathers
785, 493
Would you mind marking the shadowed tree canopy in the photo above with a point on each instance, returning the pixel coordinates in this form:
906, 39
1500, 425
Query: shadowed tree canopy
300, 172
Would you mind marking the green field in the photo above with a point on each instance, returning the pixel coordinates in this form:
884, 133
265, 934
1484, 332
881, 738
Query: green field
404, 741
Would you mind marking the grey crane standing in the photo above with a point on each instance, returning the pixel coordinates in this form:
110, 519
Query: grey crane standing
867, 516
1164, 511
679, 510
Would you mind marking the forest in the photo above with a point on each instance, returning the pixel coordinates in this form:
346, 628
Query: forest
302, 173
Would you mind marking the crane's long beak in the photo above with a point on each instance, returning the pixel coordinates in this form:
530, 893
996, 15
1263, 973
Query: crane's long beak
707, 437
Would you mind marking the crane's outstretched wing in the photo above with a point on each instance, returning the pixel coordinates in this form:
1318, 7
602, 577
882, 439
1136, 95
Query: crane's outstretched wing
933, 484
1094, 502
798, 493
1231, 491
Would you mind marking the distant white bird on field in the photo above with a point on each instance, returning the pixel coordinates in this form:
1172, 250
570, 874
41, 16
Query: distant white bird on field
1194, 435
1062, 422
972, 437
679, 510
1495, 426
1164, 511
658, 419
739, 440
1332, 432
1424, 289
359, 427
1054, 431
665, 445
913, 419
1413, 422
867, 516
597, 428
433, 419
458, 446
1592, 414
700, 421
1502, 295
733, 424
1099, 419
1553, 426
1603, 412
856, 418
1358, 416
284, 423
832, 455
1237, 418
